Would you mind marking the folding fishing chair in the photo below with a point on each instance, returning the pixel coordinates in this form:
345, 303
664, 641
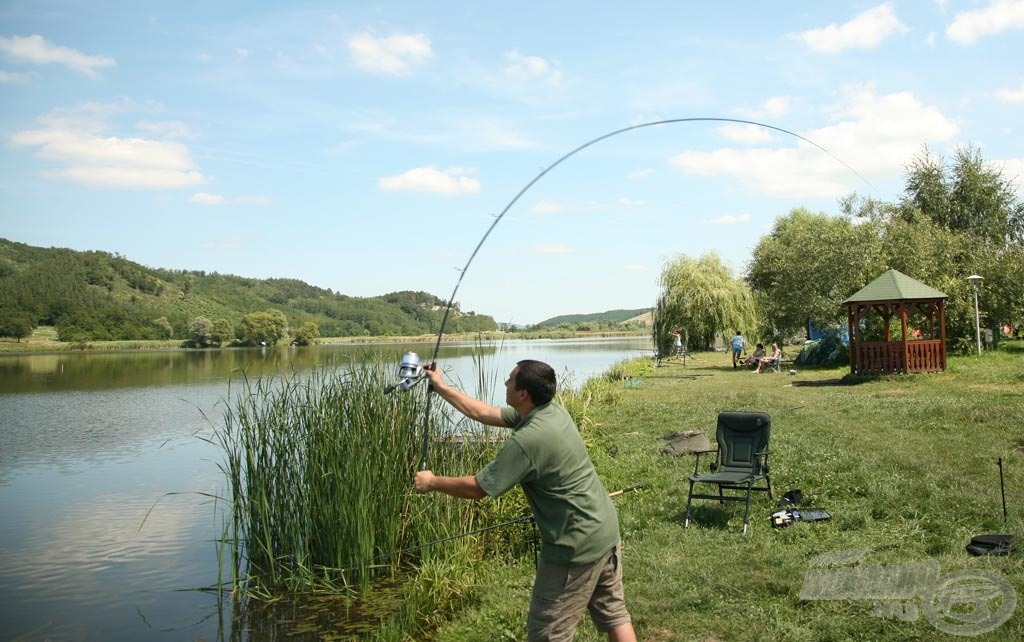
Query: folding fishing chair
741, 460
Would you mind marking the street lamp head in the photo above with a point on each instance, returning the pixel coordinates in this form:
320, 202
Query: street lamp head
975, 280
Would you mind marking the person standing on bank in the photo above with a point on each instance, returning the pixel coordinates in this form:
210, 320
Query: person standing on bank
580, 556
738, 344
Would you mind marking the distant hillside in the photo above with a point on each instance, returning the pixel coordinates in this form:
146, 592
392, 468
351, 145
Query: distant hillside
102, 296
609, 317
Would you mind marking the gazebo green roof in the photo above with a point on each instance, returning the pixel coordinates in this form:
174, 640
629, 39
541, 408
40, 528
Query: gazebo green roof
894, 285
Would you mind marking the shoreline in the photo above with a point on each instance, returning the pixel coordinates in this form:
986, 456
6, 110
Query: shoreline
44, 341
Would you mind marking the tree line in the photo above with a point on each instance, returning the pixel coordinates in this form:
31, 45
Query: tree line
97, 296
955, 217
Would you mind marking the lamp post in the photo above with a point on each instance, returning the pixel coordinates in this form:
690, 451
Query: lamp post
975, 281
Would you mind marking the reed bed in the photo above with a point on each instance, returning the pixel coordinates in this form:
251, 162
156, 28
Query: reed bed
319, 470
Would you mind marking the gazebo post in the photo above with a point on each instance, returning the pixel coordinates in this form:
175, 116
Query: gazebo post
904, 364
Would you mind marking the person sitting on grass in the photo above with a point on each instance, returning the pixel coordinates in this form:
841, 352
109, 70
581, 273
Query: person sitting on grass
752, 360
764, 362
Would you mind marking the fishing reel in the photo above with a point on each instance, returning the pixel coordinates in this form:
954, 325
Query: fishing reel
409, 373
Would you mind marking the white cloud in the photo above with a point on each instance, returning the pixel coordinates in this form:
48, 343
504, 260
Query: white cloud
1013, 170
865, 31
748, 134
728, 219
875, 135
11, 77
997, 17
204, 198
395, 54
431, 179
774, 107
552, 249
1011, 95
35, 49
547, 207
123, 176
526, 67
637, 174
77, 139
207, 199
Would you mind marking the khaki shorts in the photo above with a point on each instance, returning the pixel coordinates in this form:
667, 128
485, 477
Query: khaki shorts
560, 594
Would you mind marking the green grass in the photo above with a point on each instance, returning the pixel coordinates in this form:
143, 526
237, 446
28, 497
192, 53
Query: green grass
906, 465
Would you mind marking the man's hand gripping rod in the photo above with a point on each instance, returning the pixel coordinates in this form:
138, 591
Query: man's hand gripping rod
409, 374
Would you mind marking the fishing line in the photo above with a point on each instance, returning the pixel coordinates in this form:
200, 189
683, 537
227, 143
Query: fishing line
515, 199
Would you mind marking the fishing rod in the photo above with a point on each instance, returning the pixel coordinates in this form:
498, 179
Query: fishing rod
542, 174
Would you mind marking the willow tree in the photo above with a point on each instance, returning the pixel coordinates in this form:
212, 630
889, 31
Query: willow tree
701, 298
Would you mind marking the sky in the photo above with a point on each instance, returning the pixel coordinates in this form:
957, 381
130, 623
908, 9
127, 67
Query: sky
367, 147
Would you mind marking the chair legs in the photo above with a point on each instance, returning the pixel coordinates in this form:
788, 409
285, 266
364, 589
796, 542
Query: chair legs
746, 510
689, 500
722, 499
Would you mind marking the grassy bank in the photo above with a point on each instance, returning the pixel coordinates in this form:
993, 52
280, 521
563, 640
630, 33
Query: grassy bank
906, 466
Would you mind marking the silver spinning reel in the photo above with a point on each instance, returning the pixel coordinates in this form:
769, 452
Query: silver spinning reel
409, 373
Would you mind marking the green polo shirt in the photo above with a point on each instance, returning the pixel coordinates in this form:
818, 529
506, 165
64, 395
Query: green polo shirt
547, 457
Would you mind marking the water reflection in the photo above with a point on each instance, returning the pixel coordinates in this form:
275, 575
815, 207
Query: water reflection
90, 371
92, 443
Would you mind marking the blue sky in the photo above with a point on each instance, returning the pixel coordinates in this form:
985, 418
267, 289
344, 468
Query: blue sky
366, 147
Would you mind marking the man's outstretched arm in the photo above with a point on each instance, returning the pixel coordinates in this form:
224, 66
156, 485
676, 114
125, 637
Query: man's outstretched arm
464, 487
475, 409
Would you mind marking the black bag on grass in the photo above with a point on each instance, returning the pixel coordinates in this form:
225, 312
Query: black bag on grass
991, 545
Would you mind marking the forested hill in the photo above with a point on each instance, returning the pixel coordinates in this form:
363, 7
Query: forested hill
611, 316
103, 296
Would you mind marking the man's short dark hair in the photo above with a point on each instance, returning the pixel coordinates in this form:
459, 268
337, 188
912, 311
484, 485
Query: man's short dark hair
538, 379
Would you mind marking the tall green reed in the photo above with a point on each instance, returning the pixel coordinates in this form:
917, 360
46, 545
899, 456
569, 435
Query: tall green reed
319, 470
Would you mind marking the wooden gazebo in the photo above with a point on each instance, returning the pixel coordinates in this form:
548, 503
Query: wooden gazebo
872, 313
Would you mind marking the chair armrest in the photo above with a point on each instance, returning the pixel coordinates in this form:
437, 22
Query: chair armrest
696, 463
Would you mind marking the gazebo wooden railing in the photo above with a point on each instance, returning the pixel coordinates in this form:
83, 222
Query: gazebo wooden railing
894, 357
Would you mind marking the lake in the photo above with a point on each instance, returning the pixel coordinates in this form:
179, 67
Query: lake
106, 527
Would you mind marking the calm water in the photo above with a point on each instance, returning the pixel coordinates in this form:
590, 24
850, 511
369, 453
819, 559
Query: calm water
92, 443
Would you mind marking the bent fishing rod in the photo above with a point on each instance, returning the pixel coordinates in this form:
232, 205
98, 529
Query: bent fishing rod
412, 370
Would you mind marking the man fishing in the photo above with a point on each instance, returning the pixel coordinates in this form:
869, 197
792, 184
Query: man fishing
580, 558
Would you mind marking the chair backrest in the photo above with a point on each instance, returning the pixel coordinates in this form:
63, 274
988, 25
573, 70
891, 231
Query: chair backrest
740, 436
